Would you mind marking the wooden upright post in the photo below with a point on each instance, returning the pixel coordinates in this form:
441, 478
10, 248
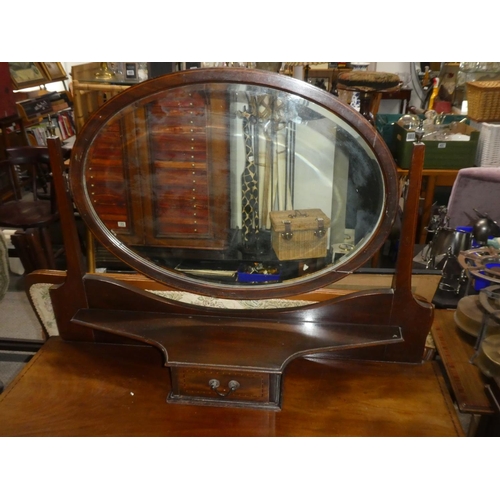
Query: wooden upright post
404, 265
69, 297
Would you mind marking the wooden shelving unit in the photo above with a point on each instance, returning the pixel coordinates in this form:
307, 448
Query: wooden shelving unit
47, 112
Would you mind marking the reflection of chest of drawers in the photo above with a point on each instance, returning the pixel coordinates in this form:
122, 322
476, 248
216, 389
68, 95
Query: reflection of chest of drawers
176, 167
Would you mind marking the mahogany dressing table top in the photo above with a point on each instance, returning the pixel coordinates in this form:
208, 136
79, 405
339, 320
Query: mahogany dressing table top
85, 389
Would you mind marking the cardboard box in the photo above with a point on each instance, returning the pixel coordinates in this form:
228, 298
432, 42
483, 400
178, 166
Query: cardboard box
299, 234
438, 154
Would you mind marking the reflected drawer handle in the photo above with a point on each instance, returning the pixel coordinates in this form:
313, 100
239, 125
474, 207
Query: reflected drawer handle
215, 384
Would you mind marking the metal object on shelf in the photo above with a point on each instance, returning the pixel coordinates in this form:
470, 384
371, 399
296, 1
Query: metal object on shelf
487, 349
104, 72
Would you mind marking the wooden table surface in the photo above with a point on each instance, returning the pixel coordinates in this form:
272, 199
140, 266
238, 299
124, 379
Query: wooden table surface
455, 349
85, 389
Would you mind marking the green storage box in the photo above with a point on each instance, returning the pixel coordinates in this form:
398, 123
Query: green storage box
444, 155
385, 125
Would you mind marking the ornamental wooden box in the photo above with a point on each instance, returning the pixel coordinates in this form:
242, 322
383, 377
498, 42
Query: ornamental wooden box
299, 234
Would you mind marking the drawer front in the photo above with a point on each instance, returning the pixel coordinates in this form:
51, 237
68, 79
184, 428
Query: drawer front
182, 99
216, 385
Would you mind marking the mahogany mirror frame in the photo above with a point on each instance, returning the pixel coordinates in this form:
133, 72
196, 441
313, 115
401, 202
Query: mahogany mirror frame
270, 80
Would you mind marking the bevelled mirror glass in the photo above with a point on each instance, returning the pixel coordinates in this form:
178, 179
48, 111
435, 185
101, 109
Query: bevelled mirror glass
241, 184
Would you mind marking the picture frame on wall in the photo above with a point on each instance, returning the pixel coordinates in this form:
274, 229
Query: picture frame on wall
27, 74
54, 71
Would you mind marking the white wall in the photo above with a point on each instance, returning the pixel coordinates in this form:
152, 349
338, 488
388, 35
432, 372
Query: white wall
392, 107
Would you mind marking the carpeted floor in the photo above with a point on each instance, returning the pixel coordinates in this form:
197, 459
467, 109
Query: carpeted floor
17, 320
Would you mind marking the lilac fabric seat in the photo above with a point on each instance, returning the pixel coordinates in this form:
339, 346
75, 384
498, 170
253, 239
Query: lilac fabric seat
474, 188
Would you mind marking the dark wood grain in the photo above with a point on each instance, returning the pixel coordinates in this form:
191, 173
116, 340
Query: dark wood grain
456, 349
234, 343
413, 317
85, 389
145, 98
70, 295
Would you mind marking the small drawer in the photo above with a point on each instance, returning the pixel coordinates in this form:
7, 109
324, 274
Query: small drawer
182, 99
225, 387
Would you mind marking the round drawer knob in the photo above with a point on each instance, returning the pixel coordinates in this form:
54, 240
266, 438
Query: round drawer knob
232, 386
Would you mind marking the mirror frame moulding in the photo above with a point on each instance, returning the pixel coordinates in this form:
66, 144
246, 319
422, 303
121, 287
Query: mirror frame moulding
148, 90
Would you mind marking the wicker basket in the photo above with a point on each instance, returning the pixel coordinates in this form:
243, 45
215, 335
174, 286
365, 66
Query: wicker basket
488, 149
483, 100
296, 234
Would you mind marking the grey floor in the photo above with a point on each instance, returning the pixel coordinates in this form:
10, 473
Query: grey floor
17, 320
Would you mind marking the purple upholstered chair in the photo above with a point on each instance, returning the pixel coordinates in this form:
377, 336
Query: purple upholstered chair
474, 188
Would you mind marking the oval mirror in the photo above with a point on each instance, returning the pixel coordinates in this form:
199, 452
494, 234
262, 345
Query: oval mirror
234, 183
